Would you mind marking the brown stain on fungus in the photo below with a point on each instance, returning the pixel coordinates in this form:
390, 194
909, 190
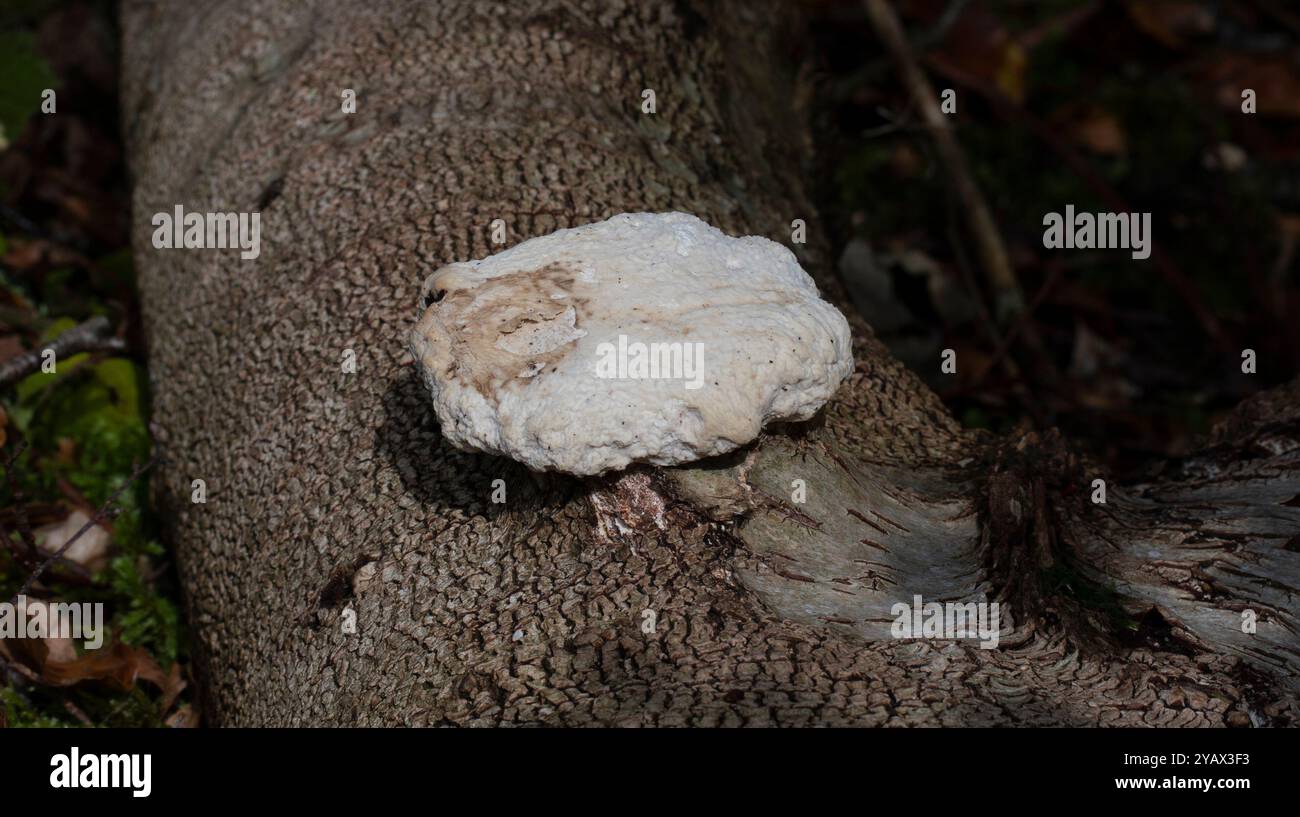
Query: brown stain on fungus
504, 331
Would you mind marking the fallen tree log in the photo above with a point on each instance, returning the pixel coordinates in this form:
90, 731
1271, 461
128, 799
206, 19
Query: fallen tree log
349, 567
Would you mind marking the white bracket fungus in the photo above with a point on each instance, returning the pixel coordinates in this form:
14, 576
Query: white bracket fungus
650, 337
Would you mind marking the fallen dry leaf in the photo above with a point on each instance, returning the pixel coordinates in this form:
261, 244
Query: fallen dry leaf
905, 162
1171, 22
90, 550
183, 718
120, 665
38, 651
25, 254
67, 453
980, 46
1092, 128
1274, 79
1289, 224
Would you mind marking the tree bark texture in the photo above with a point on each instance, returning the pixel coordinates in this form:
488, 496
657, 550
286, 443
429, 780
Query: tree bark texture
331, 494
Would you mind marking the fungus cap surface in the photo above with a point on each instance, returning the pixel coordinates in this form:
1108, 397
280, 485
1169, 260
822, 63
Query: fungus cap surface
650, 337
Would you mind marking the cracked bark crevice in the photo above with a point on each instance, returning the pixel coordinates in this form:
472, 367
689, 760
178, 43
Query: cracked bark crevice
1027, 534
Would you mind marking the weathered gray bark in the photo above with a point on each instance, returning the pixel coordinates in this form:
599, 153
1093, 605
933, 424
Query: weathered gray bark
330, 492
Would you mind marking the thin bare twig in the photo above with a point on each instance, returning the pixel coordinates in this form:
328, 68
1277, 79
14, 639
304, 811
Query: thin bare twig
76, 712
947, 20
91, 336
1053, 278
1007, 297
1058, 25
